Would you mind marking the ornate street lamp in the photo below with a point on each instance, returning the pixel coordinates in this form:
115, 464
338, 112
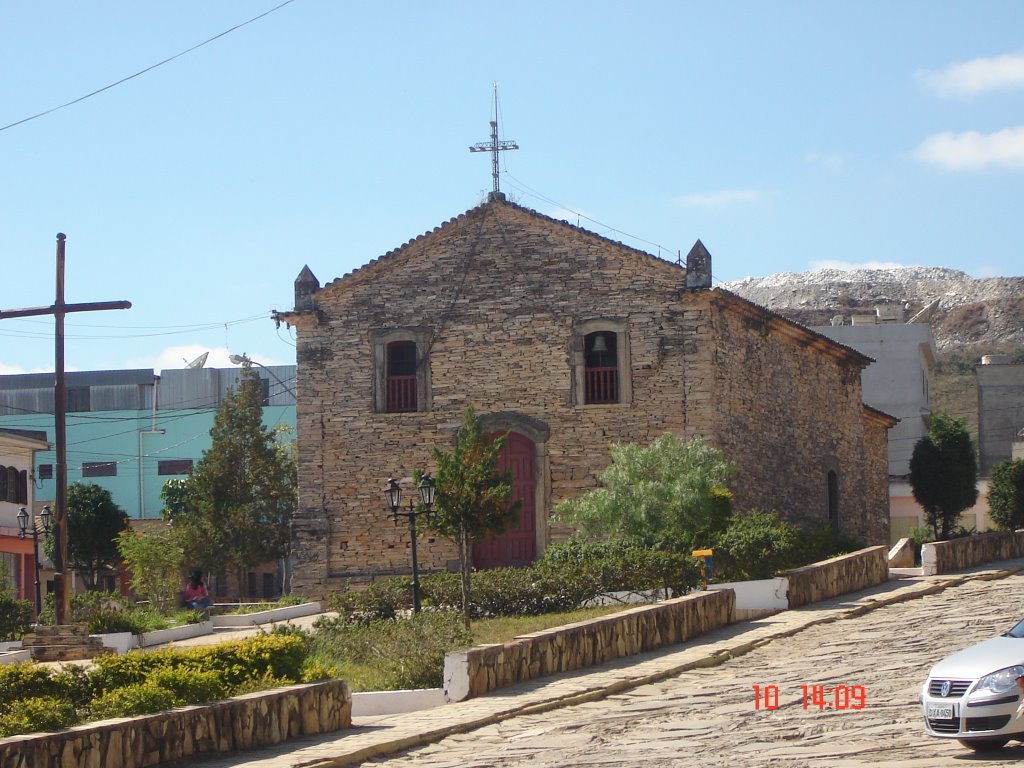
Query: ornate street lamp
393, 495
23, 527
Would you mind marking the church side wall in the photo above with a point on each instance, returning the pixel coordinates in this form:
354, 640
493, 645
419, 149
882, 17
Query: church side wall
787, 414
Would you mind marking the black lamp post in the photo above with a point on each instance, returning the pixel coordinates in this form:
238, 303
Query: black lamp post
23, 528
393, 494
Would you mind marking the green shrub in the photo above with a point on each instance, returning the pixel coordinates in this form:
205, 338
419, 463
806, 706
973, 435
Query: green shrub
821, 543
15, 618
26, 681
38, 714
408, 652
105, 612
756, 545
575, 572
382, 599
132, 700
279, 655
316, 670
1006, 495
190, 686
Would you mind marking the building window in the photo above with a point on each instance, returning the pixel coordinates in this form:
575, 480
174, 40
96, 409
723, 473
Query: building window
99, 469
174, 467
401, 370
600, 354
401, 376
46, 471
78, 400
832, 482
14, 485
601, 371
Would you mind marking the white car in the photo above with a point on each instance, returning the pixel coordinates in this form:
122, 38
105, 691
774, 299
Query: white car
974, 696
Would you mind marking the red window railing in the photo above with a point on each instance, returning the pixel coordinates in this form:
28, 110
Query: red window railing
401, 394
602, 385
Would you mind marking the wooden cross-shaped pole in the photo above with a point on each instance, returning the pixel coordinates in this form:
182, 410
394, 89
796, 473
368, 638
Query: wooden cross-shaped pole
60, 530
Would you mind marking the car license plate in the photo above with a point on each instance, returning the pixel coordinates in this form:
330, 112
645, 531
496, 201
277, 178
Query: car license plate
939, 711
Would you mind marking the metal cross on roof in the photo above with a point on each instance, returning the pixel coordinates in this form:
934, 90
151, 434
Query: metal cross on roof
494, 146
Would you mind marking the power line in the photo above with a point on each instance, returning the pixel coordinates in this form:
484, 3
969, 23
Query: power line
183, 330
147, 69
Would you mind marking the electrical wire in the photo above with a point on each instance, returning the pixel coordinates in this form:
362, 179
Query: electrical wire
147, 69
184, 329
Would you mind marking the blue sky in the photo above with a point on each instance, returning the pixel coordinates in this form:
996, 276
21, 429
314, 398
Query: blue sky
785, 136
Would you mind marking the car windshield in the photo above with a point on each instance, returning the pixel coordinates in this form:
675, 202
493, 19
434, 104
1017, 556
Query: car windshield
1017, 631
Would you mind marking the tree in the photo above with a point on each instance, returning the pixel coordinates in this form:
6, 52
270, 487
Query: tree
94, 522
944, 474
671, 494
472, 496
235, 509
154, 560
1006, 495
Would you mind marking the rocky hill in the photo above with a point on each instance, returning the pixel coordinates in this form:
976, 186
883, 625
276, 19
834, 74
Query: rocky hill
964, 312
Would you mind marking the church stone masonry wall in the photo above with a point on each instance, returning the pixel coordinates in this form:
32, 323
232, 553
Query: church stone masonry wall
500, 290
786, 413
502, 312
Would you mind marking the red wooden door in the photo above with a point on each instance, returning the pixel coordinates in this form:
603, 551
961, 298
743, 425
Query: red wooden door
517, 546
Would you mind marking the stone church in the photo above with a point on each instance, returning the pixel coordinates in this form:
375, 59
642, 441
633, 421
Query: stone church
569, 341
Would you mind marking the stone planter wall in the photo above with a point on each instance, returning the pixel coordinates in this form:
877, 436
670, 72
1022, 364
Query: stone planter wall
837, 576
265, 617
958, 554
244, 722
575, 646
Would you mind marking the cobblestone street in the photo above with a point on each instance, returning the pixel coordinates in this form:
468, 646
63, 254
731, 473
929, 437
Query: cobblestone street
708, 717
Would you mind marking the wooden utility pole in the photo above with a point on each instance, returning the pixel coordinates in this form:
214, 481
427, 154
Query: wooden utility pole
60, 529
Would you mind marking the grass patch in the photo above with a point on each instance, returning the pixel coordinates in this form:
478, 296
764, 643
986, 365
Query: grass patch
503, 628
248, 608
399, 654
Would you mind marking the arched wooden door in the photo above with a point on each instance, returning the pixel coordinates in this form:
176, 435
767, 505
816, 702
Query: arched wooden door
517, 546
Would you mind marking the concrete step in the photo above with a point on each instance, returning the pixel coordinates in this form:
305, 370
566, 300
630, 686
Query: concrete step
68, 642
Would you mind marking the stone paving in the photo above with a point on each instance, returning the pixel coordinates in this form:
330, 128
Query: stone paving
695, 705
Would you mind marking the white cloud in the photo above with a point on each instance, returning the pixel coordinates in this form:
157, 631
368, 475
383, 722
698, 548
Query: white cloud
8, 370
826, 159
847, 266
180, 356
969, 78
973, 150
573, 217
720, 198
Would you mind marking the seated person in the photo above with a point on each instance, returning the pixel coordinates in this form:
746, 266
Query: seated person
196, 596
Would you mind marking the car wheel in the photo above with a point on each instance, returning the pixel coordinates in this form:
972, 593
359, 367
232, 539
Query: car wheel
984, 745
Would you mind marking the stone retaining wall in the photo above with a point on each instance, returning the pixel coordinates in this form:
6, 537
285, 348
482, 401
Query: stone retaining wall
245, 722
837, 576
487, 668
958, 554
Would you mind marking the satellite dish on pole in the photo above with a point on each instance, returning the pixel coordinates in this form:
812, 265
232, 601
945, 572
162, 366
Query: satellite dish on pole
199, 362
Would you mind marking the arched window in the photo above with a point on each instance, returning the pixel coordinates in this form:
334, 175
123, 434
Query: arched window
3, 484
401, 376
401, 369
600, 355
601, 368
833, 499
11, 494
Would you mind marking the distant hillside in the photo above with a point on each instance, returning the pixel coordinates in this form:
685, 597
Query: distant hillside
964, 311
969, 317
